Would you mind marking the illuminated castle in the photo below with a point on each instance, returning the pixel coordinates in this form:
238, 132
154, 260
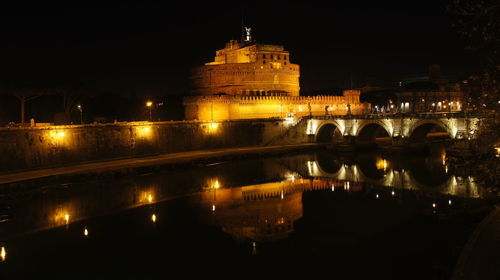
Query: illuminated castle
249, 80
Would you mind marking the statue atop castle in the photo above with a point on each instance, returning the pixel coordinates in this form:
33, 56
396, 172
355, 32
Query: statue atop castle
248, 34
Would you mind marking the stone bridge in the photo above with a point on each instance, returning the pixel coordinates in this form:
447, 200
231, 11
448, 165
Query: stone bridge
397, 129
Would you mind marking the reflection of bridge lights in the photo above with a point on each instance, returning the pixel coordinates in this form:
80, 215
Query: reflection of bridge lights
3, 254
282, 194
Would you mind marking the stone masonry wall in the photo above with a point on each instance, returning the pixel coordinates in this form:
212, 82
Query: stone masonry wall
22, 148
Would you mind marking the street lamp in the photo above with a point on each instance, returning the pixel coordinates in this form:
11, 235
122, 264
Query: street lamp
79, 106
149, 104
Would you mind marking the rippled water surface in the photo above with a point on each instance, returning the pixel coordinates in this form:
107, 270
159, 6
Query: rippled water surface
355, 216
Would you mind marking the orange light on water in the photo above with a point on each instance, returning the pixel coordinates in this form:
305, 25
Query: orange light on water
382, 164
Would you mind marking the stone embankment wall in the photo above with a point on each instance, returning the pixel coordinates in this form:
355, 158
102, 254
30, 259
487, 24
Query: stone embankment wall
22, 148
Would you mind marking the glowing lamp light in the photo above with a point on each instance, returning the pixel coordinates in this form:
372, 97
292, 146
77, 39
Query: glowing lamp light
153, 218
449, 202
433, 205
150, 198
66, 218
149, 103
213, 207
215, 184
392, 193
85, 232
377, 196
213, 128
3, 254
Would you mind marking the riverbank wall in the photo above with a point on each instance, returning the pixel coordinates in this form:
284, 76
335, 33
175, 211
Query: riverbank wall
46, 146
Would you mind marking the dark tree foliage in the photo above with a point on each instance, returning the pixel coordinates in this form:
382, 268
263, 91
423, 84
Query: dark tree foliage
478, 21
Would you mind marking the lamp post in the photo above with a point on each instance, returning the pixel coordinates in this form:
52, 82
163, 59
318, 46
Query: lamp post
149, 104
79, 106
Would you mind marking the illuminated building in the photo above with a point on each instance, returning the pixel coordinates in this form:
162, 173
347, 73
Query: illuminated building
250, 80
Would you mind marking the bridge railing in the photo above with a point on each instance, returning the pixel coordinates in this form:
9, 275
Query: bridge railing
427, 115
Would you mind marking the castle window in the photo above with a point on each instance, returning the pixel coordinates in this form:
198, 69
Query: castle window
284, 57
263, 62
264, 56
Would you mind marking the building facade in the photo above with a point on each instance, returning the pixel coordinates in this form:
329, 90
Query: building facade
248, 80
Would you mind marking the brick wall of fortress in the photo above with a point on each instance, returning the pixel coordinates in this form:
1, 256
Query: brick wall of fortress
22, 148
226, 107
241, 78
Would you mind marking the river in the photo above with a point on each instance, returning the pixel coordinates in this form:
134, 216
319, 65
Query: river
349, 216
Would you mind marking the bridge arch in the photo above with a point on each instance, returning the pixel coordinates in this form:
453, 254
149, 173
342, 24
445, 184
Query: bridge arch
328, 132
370, 131
420, 131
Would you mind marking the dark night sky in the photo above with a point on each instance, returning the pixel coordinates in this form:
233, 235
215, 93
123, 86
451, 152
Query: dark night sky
149, 48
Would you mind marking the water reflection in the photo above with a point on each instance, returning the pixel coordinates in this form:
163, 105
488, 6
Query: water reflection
3, 254
261, 212
251, 199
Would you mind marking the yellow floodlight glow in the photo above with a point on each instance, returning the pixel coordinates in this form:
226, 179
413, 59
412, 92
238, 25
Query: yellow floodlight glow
215, 184
212, 128
149, 103
58, 135
145, 132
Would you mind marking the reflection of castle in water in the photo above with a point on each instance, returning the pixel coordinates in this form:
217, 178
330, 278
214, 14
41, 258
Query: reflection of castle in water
263, 212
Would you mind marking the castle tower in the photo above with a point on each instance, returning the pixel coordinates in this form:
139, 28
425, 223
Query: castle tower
245, 67
248, 80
